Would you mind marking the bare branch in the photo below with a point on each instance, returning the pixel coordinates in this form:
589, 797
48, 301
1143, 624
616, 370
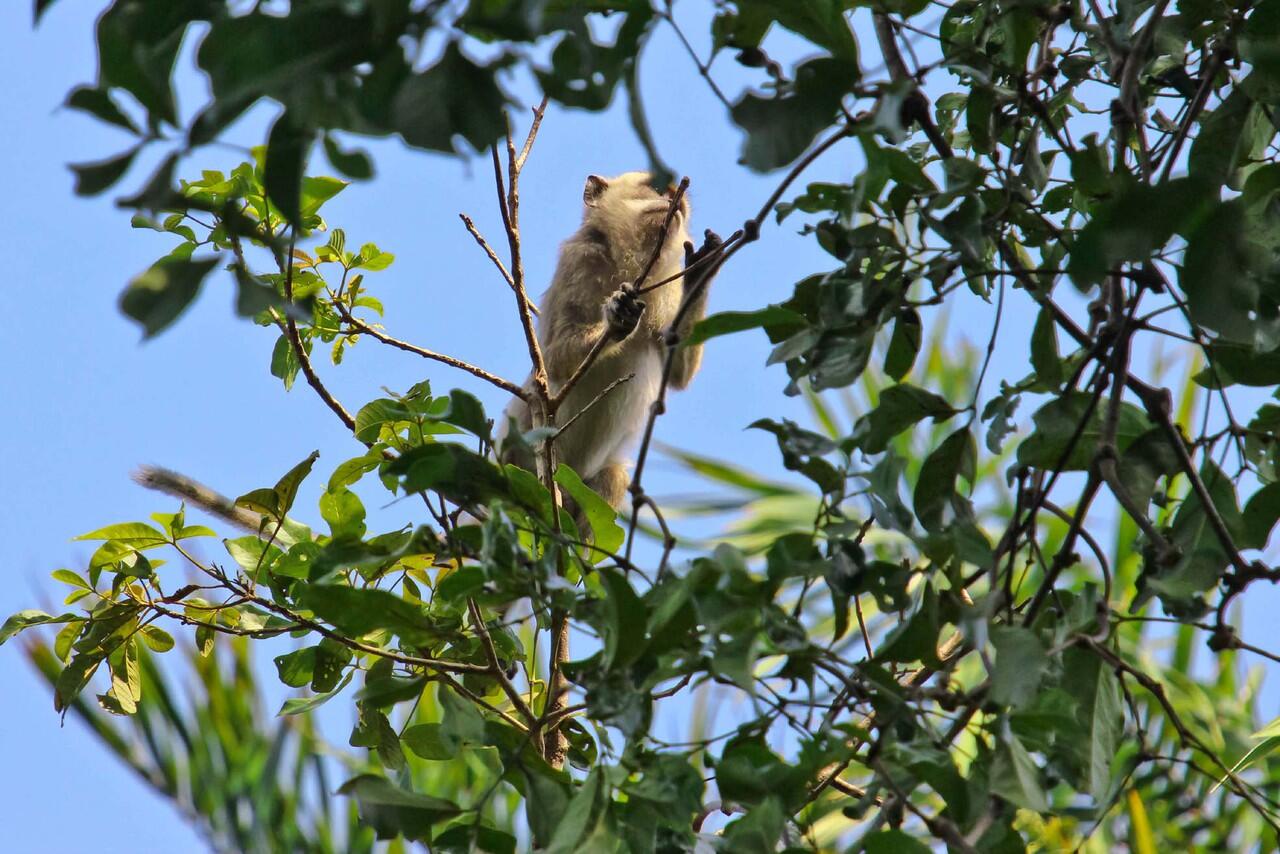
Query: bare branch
665, 233
300, 351
493, 256
599, 397
365, 329
491, 653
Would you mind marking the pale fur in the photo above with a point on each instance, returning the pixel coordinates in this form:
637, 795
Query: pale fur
609, 250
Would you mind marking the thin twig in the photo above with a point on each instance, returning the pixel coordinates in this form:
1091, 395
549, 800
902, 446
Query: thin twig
750, 233
493, 256
696, 265
491, 653
704, 68
579, 372
665, 233
508, 203
599, 397
538, 112
300, 352
365, 329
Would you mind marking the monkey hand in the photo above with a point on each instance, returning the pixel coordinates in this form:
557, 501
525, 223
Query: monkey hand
622, 312
711, 244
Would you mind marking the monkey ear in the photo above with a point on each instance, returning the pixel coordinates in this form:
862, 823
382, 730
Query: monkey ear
593, 190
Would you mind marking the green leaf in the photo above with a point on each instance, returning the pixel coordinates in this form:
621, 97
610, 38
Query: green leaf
1044, 350
917, 639
330, 665
607, 534
999, 411
156, 638
1147, 459
822, 22
137, 50
296, 668
780, 129
1089, 169
1020, 663
99, 103
581, 816
158, 296
372, 258
354, 163
469, 838
802, 452
352, 470
393, 811
1204, 558
459, 474
1106, 719
74, 677
344, 512
68, 577
759, 830
1259, 517
1217, 274
27, 619
729, 322
428, 742
357, 612
454, 97
622, 623
284, 362
318, 189
93, 178
1015, 777
1133, 225
253, 296
374, 731
286, 488
464, 411
936, 487
1058, 440
1217, 148
130, 532
287, 148
904, 346
462, 724
893, 842
1270, 742
898, 408
42, 6
302, 705
252, 554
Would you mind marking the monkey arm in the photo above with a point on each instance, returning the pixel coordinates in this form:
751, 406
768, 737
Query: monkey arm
570, 344
573, 323
697, 286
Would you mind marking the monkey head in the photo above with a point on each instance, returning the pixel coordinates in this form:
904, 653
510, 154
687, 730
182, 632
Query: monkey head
628, 205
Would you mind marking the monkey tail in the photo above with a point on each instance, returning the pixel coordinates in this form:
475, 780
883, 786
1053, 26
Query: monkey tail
196, 493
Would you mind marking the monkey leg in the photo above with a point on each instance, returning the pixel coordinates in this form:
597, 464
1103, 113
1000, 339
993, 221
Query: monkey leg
611, 483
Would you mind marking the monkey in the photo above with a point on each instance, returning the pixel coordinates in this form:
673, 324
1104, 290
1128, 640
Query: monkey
593, 294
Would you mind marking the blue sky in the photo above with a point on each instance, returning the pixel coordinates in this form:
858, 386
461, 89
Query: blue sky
86, 402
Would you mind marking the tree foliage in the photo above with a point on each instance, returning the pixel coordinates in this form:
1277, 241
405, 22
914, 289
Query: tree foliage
933, 646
